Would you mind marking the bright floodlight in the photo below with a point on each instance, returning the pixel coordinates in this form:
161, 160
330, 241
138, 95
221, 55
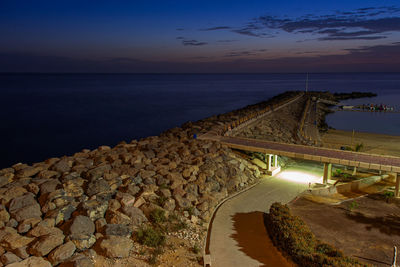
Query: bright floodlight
300, 177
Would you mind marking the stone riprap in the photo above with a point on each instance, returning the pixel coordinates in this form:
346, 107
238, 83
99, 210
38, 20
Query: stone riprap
65, 210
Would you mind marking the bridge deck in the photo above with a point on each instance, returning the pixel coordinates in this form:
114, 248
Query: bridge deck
325, 155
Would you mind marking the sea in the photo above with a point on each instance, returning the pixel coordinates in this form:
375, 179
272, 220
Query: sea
51, 115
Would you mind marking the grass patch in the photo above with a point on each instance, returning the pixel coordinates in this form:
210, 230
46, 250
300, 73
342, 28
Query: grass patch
158, 216
292, 236
150, 237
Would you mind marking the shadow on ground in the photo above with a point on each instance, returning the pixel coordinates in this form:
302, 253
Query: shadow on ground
253, 239
389, 224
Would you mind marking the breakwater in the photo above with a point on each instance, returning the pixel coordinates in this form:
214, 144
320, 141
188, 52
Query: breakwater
93, 204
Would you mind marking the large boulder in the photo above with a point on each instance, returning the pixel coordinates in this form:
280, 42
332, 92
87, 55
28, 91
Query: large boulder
62, 253
24, 207
31, 262
45, 244
116, 246
82, 226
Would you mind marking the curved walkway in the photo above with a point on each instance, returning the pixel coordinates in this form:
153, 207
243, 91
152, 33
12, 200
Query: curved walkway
224, 249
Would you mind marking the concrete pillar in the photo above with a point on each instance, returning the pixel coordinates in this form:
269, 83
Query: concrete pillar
269, 162
396, 191
275, 161
327, 172
354, 171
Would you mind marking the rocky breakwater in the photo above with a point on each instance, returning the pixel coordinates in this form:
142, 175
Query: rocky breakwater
69, 211
279, 126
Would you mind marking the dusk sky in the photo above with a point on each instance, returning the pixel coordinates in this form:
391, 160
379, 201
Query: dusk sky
199, 36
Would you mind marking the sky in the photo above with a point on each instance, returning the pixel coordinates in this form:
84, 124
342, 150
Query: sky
199, 36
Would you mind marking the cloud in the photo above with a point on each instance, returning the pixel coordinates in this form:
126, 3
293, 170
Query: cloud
368, 23
382, 58
180, 29
180, 38
248, 53
217, 28
226, 41
193, 43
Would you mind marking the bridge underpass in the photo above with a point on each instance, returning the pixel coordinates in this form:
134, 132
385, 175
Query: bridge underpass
327, 156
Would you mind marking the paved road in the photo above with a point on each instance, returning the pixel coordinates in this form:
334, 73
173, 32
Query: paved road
224, 249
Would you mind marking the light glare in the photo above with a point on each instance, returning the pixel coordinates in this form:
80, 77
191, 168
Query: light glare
299, 177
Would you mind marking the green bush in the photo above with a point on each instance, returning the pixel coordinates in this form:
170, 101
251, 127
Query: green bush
388, 194
291, 235
150, 237
158, 216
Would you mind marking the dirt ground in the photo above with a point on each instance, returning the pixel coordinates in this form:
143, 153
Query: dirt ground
373, 143
177, 252
365, 228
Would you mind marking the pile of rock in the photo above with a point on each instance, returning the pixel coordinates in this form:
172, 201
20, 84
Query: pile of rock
65, 209
280, 126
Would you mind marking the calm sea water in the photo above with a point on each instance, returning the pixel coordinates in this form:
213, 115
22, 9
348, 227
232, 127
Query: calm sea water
44, 116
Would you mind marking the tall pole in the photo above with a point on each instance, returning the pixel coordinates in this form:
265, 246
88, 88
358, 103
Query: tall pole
307, 83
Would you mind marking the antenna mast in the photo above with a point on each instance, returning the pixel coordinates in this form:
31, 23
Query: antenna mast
307, 83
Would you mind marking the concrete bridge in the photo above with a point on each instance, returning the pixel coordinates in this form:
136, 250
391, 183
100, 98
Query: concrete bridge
327, 156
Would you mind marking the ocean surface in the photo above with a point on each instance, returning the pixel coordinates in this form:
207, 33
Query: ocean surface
51, 115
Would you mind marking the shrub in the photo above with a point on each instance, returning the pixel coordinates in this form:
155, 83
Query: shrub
291, 235
150, 237
158, 216
353, 205
388, 194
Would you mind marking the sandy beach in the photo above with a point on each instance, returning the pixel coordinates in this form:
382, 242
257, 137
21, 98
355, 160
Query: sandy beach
372, 143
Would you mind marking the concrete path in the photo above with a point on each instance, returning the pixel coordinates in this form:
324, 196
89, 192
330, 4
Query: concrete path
224, 249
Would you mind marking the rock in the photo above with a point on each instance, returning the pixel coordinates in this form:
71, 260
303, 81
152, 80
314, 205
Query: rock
8, 258
113, 204
28, 172
31, 262
97, 172
169, 204
4, 215
117, 229
12, 223
78, 260
33, 188
182, 202
81, 227
5, 179
100, 223
94, 208
22, 252
61, 214
98, 186
62, 166
125, 199
136, 215
41, 230
116, 246
47, 174
116, 217
45, 244
73, 188
24, 207
84, 242
139, 202
192, 189
27, 224
12, 240
62, 253
49, 186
